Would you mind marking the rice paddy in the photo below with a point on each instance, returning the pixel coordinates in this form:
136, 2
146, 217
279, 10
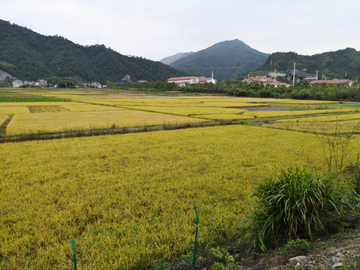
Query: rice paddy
56, 190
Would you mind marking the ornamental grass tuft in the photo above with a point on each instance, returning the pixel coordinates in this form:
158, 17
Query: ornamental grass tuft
298, 204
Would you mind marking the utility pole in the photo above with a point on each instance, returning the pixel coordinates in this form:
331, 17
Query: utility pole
294, 75
275, 75
316, 75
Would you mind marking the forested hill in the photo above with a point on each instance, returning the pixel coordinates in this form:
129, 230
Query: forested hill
226, 59
331, 64
30, 56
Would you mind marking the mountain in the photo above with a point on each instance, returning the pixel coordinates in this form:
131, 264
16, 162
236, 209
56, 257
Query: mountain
331, 64
30, 56
226, 59
171, 59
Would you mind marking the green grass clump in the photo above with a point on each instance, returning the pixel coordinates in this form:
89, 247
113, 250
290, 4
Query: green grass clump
296, 205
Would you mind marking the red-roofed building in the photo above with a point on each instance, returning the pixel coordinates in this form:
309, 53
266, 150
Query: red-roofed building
182, 81
261, 79
264, 80
336, 81
207, 80
276, 84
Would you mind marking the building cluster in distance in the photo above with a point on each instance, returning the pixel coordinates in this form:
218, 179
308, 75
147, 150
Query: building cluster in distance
40, 83
265, 81
182, 81
44, 83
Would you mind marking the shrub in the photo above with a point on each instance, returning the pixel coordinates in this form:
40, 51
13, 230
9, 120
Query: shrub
319, 96
241, 93
265, 93
298, 204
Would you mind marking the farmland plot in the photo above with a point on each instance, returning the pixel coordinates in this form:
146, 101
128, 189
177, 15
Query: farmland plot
65, 188
66, 121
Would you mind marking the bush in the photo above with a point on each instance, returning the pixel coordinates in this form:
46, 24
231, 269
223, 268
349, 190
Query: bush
296, 205
265, 93
241, 93
319, 96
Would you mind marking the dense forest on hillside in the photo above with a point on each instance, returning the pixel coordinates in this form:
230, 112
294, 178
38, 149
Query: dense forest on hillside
30, 56
226, 59
338, 64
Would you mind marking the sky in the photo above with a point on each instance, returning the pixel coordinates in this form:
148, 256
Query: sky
155, 29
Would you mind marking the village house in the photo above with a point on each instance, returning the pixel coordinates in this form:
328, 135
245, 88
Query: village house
277, 83
207, 80
42, 83
17, 83
265, 81
182, 81
258, 79
96, 85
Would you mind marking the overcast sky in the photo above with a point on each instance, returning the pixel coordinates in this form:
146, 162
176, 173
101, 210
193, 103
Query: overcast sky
155, 29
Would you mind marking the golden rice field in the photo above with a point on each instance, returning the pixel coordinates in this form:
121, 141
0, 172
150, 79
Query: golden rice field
66, 121
322, 125
3, 119
13, 110
188, 111
56, 190
69, 187
91, 110
328, 118
352, 126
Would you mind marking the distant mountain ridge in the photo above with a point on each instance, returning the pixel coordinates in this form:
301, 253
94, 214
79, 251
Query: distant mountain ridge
226, 59
331, 64
28, 55
171, 59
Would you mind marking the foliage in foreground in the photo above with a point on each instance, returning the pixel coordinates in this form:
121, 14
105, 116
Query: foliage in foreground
298, 204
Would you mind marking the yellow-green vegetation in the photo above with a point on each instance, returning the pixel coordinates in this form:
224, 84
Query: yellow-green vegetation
101, 190
45, 109
65, 121
3, 118
350, 126
328, 118
263, 114
187, 110
70, 187
223, 116
340, 123
80, 107
13, 110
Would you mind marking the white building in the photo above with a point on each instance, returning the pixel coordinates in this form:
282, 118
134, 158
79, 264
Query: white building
17, 83
42, 83
207, 80
96, 85
182, 81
